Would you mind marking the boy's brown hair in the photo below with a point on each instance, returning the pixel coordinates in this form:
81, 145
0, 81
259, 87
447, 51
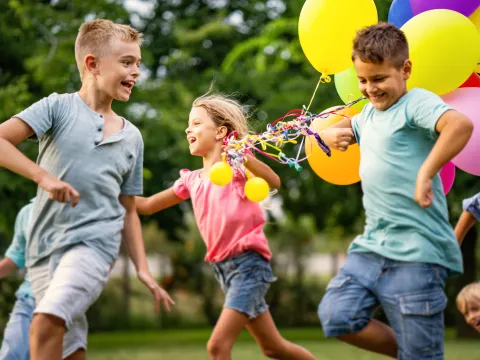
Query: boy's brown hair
94, 38
381, 42
468, 295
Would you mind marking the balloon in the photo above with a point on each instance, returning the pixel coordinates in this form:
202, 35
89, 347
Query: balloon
326, 29
221, 173
400, 12
256, 189
475, 19
342, 168
444, 49
464, 7
465, 100
472, 81
447, 175
346, 84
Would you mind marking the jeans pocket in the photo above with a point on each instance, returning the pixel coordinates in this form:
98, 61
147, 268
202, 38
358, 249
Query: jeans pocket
422, 320
338, 282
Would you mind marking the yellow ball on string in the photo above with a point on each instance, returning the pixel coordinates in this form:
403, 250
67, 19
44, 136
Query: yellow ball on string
221, 174
256, 189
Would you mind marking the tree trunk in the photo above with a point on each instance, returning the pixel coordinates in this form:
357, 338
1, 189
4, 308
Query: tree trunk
469, 276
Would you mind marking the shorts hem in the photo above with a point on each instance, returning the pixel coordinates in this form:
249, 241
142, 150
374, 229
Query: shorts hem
250, 315
73, 348
39, 310
343, 330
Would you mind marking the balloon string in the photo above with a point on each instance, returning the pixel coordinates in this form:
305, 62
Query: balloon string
314, 93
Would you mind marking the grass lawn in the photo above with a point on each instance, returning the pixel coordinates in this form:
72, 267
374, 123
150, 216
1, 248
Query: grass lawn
191, 345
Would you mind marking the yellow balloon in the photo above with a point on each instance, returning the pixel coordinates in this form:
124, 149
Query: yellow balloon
342, 168
256, 189
326, 29
221, 173
475, 19
444, 49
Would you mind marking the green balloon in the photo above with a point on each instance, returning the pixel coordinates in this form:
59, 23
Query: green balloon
346, 83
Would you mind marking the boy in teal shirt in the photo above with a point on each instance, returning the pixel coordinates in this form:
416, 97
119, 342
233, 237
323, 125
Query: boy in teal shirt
15, 336
408, 248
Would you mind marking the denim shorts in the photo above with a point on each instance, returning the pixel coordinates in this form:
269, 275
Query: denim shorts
245, 279
411, 295
16, 335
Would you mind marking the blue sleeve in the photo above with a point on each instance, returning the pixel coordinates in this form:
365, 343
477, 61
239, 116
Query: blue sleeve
133, 180
16, 250
472, 205
43, 115
425, 109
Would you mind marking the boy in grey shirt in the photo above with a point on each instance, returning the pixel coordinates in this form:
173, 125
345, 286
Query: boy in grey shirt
89, 171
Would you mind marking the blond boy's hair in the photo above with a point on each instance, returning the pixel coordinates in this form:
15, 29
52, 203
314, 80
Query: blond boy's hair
94, 37
225, 111
469, 294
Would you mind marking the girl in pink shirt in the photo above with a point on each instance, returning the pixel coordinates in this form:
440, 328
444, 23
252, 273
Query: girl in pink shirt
232, 228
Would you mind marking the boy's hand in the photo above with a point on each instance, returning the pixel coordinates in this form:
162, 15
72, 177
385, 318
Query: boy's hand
337, 138
158, 293
423, 191
59, 190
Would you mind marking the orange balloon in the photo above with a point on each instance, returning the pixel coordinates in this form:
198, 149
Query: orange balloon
342, 168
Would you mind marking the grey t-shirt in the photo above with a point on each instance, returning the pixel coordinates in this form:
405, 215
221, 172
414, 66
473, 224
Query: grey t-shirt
70, 135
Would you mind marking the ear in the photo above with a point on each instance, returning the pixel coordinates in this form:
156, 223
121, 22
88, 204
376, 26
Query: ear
91, 64
221, 132
407, 69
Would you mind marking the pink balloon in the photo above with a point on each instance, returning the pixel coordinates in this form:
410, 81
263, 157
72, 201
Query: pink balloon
447, 174
466, 100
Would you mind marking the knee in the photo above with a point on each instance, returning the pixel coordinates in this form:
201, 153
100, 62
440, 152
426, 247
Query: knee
276, 351
46, 326
217, 348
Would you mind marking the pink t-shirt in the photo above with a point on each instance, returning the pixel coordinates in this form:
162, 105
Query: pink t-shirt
229, 223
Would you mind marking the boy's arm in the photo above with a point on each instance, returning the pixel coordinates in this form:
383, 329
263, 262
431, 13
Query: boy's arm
260, 169
132, 237
157, 202
465, 223
7, 267
455, 130
340, 135
14, 131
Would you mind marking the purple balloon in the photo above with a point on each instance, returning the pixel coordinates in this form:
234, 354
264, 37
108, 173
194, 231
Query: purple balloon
465, 7
447, 174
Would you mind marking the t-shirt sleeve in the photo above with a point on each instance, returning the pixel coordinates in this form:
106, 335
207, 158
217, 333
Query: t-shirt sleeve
472, 205
133, 180
358, 122
16, 250
182, 185
44, 114
425, 109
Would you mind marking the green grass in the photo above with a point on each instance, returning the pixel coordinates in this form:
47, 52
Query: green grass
191, 345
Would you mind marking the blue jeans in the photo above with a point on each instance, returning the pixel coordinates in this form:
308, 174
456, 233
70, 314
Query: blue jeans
245, 279
411, 295
16, 335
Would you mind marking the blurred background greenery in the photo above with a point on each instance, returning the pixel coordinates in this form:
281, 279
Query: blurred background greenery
250, 49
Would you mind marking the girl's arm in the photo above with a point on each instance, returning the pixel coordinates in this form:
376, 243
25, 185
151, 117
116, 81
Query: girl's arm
157, 202
258, 168
464, 224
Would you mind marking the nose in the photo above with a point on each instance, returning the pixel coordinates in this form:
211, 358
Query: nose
187, 130
371, 88
136, 71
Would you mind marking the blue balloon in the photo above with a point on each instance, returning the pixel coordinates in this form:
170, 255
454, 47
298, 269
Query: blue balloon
400, 12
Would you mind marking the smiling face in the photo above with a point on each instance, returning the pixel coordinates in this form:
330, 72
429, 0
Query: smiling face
472, 314
382, 83
203, 135
118, 71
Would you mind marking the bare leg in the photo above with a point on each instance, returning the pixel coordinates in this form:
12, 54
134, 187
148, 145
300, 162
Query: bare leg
376, 337
273, 345
229, 326
46, 337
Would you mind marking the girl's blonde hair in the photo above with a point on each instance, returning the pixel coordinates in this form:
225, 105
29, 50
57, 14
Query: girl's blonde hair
225, 111
468, 295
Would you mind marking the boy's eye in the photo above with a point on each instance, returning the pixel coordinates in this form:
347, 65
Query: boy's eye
362, 81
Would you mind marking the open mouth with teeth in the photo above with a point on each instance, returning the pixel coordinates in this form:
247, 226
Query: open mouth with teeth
128, 85
191, 139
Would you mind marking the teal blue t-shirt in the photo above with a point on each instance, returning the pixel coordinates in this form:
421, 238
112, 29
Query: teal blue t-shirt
17, 249
393, 146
